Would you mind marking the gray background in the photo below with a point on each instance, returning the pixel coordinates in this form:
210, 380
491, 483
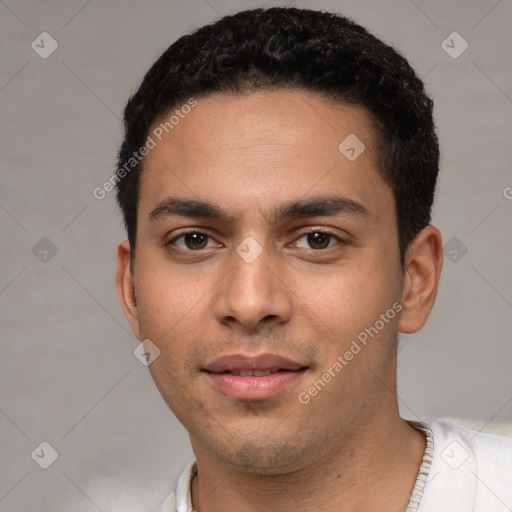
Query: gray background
68, 374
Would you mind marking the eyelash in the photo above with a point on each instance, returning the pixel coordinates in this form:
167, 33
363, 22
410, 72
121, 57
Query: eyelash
195, 231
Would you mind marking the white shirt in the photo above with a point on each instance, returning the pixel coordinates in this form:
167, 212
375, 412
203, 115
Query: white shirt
462, 471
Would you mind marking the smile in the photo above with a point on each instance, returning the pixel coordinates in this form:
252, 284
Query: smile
253, 378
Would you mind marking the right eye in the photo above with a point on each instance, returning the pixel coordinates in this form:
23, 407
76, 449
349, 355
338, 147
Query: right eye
193, 241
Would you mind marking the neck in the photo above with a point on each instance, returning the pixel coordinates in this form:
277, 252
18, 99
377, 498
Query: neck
373, 468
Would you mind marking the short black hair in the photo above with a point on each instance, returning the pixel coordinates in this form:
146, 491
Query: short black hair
300, 49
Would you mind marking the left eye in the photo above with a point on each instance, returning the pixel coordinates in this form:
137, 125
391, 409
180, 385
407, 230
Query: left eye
318, 240
193, 241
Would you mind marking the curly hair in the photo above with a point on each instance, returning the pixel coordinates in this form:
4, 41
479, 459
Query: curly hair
302, 49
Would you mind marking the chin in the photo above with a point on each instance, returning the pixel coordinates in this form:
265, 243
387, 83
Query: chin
266, 455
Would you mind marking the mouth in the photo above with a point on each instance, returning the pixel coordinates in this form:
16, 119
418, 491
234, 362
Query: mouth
253, 373
253, 378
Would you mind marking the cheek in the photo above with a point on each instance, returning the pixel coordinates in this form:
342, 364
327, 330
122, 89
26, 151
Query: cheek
170, 304
350, 300
177, 388
170, 310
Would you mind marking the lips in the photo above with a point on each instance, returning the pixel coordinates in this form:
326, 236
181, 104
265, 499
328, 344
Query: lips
252, 373
253, 378
261, 362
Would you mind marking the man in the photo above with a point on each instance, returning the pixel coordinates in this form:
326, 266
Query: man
276, 181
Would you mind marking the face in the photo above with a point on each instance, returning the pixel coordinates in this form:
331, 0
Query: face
265, 256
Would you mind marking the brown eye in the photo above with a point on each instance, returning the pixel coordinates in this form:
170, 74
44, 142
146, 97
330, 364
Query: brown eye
195, 240
318, 240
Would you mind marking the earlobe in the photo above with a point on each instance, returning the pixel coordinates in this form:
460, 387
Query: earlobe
423, 264
125, 286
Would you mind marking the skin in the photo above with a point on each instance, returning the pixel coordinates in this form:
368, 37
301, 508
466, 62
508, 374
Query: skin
250, 155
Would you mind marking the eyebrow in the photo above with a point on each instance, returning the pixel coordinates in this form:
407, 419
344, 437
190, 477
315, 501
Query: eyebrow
319, 206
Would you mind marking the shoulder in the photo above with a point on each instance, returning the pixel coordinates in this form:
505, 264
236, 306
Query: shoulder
169, 504
181, 500
470, 471
463, 443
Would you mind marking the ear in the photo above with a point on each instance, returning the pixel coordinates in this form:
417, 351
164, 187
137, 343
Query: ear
125, 287
423, 264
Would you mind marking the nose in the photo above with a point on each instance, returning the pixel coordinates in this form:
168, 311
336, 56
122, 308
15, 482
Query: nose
254, 294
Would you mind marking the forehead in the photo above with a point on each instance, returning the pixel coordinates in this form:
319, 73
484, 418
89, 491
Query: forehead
259, 148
